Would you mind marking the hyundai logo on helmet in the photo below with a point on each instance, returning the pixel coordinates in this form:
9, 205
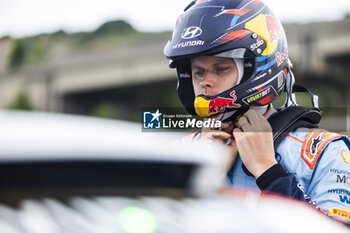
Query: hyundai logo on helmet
191, 32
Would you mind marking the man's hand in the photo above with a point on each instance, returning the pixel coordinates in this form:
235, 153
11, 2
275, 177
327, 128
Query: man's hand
209, 135
253, 137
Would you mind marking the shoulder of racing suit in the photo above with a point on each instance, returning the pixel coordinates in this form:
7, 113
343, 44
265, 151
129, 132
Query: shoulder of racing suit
314, 166
319, 161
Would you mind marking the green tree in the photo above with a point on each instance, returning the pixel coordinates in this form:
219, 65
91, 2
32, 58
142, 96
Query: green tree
39, 53
118, 27
21, 102
17, 54
104, 110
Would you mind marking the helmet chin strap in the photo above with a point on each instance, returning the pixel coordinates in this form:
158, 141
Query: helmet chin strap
231, 116
260, 109
224, 116
290, 97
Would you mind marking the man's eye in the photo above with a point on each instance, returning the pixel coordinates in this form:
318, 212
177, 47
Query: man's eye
222, 69
199, 73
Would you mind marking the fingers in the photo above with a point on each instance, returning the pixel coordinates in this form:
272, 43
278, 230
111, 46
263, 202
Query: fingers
266, 125
253, 117
226, 124
216, 135
237, 130
253, 121
227, 127
254, 142
243, 123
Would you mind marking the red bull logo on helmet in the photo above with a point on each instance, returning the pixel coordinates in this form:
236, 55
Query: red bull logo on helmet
206, 108
273, 28
280, 57
269, 29
219, 104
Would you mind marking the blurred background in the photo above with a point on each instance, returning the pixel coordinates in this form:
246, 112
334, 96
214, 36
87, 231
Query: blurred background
105, 58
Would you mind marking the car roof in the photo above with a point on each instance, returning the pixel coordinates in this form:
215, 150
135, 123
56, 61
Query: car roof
35, 135
29, 138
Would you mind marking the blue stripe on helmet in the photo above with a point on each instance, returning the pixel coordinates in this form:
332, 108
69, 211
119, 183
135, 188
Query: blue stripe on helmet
268, 65
234, 20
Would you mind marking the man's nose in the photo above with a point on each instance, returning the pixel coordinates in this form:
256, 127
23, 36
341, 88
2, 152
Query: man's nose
208, 80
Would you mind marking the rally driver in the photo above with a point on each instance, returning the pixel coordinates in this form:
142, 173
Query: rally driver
231, 58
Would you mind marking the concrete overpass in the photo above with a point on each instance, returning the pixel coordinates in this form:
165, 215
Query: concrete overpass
130, 76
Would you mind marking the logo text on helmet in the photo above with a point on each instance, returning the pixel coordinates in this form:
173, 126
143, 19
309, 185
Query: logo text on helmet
258, 96
188, 43
185, 75
280, 57
274, 28
191, 32
256, 45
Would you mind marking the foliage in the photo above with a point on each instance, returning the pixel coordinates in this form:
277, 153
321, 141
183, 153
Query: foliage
39, 52
104, 110
117, 27
21, 102
39, 48
59, 34
29, 51
17, 54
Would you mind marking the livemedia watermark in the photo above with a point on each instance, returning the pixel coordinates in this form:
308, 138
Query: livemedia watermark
165, 120
159, 119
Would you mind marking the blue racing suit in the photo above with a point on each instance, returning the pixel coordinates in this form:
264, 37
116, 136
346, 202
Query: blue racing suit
313, 165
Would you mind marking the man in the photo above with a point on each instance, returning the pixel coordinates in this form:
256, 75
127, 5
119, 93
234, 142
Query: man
231, 58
